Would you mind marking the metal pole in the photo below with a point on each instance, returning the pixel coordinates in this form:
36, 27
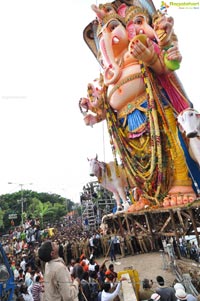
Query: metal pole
22, 199
22, 204
164, 261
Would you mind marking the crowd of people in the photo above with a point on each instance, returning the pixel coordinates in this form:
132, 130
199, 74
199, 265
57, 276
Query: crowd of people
162, 292
61, 261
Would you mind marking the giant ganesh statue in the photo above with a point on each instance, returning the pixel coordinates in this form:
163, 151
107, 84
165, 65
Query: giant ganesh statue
140, 96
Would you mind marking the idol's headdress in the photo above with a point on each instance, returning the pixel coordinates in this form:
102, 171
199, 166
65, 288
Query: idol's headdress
144, 7
134, 11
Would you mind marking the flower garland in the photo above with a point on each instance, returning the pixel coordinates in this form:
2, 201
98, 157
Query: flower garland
144, 163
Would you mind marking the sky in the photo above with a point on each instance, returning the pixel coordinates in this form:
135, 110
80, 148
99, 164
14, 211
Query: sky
45, 67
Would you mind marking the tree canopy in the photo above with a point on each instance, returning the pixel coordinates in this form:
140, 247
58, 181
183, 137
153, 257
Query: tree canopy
44, 206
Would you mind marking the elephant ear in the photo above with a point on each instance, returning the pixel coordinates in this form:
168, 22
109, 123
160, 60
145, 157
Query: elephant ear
90, 37
122, 10
147, 4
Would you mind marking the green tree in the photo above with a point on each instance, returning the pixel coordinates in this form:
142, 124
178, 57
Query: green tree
59, 210
32, 209
47, 207
69, 205
1, 218
42, 209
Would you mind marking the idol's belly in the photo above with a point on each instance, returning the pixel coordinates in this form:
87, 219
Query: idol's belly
129, 86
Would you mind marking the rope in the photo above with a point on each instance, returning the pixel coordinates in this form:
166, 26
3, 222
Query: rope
108, 250
84, 296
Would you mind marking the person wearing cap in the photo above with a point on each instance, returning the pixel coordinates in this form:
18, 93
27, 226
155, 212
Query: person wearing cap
178, 285
109, 277
155, 297
181, 294
146, 292
166, 293
58, 283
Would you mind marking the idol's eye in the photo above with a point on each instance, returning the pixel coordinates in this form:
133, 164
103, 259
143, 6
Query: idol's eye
138, 21
108, 9
113, 24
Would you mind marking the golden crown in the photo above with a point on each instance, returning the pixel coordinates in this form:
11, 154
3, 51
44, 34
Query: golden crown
134, 11
107, 5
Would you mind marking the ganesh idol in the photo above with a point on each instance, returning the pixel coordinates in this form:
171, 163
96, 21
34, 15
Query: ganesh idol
140, 95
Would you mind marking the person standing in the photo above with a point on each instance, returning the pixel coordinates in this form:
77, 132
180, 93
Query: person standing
166, 293
58, 283
112, 249
85, 292
91, 244
37, 289
181, 294
122, 245
111, 269
146, 292
128, 243
106, 295
25, 293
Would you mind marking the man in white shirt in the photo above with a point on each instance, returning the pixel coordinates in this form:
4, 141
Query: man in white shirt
23, 262
106, 295
91, 244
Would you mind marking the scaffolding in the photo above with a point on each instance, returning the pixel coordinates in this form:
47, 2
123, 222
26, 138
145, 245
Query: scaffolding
95, 203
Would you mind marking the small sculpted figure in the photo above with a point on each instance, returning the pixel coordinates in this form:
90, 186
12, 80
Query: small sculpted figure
112, 178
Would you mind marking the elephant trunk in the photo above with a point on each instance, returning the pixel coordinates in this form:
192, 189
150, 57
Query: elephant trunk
111, 70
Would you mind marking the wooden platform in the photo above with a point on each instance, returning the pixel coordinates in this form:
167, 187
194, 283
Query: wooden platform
161, 222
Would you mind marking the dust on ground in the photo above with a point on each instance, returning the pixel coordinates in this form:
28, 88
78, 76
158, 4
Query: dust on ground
148, 265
